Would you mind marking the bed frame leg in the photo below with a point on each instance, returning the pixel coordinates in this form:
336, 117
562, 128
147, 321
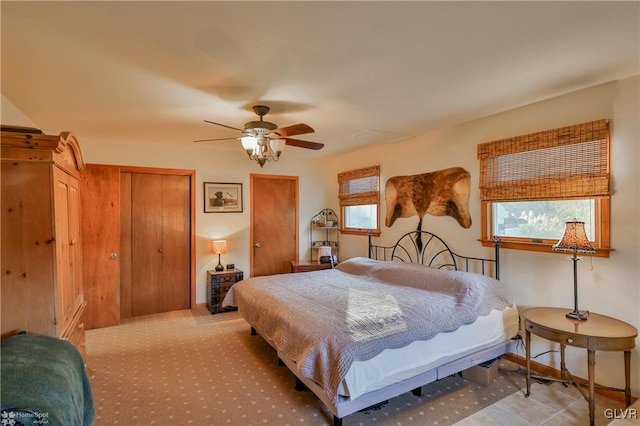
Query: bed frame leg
299, 385
417, 391
337, 421
253, 331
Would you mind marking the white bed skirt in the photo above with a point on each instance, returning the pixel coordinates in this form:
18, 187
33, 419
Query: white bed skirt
394, 365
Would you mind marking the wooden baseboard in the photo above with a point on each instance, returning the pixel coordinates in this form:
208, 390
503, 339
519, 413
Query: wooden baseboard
545, 370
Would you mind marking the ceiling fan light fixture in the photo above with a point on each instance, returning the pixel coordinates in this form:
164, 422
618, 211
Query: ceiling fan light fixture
264, 141
261, 149
249, 143
257, 125
277, 146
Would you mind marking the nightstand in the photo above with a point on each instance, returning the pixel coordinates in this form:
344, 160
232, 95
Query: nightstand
597, 332
306, 266
218, 284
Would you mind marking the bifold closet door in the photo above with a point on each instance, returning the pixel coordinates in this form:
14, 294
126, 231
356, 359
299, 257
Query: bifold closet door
160, 242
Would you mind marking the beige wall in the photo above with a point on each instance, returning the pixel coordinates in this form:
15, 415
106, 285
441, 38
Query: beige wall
12, 115
218, 165
212, 163
535, 279
611, 288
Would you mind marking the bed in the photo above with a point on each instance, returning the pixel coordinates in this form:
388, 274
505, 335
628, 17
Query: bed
44, 381
376, 327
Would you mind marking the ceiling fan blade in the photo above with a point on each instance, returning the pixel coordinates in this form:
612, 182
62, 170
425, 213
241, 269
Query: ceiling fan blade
223, 125
218, 139
304, 144
296, 129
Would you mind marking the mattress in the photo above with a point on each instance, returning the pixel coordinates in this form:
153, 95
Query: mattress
394, 365
346, 329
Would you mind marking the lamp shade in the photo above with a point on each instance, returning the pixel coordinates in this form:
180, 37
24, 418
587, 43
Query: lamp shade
277, 146
324, 251
249, 143
574, 239
219, 247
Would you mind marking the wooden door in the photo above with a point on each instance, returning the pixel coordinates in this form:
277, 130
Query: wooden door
274, 224
75, 243
176, 243
160, 243
64, 276
100, 221
125, 245
146, 244
112, 268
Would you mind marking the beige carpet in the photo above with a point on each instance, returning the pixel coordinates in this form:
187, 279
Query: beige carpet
194, 368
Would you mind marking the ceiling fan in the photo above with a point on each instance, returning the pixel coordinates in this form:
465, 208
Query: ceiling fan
261, 130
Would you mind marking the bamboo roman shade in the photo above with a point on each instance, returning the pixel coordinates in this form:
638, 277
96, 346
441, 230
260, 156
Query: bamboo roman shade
359, 187
568, 162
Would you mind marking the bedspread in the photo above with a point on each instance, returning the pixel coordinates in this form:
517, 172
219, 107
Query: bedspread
44, 381
325, 320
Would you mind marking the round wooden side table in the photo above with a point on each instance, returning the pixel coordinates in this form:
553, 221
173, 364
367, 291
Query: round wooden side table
596, 333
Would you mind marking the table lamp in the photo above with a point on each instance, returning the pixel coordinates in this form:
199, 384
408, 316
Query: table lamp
219, 247
324, 251
575, 241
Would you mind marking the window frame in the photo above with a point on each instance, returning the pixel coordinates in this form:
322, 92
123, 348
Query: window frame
539, 190
600, 243
369, 197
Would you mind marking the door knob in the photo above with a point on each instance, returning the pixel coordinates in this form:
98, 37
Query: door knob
113, 255
257, 245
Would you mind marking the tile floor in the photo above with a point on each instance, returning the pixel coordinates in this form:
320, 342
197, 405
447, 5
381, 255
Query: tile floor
548, 404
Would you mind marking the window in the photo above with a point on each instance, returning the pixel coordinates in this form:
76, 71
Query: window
531, 185
359, 195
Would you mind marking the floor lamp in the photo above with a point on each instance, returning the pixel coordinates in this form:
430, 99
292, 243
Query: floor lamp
575, 241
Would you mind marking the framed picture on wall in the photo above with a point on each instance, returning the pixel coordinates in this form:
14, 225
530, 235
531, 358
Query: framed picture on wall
222, 197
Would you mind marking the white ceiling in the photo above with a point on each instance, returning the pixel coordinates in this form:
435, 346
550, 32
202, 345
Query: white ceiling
357, 72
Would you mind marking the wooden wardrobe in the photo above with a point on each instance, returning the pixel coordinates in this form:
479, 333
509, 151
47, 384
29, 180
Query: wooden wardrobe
41, 285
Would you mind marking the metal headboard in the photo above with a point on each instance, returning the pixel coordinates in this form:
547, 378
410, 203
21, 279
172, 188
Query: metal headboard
428, 249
